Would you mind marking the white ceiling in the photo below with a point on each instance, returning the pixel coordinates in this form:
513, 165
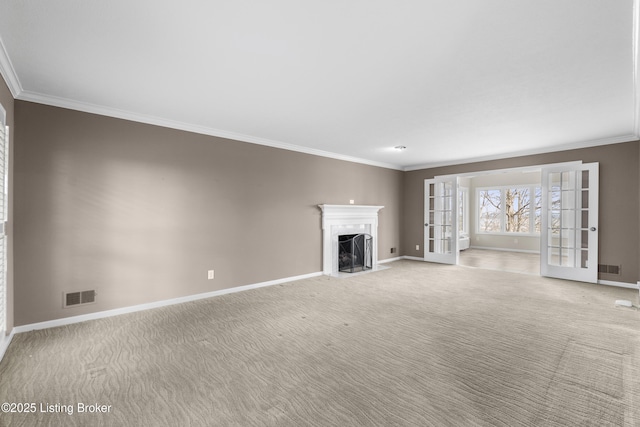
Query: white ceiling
451, 81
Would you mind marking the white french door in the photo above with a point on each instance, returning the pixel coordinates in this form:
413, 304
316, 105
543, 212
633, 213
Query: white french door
441, 220
569, 226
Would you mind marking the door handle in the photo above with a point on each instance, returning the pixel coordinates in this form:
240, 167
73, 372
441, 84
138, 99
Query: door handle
426, 224
592, 229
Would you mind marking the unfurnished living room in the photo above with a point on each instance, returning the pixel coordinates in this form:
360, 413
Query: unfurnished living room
415, 213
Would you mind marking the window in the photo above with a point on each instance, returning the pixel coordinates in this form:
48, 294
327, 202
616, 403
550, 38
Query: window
537, 210
517, 214
509, 210
463, 206
490, 209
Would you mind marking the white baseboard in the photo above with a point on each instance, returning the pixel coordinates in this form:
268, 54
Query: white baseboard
619, 284
600, 282
157, 304
5, 341
526, 251
383, 261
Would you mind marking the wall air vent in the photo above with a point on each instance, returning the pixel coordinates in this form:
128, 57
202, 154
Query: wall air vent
609, 269
72, 299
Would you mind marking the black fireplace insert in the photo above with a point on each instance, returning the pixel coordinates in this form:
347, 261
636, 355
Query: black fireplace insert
354, 252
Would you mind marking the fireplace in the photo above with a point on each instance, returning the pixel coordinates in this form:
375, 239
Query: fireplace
354, 252
341, 220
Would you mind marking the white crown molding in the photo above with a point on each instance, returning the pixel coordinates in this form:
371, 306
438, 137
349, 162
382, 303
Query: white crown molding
543, 150
157, 121
8, 72
572, 146
172, 124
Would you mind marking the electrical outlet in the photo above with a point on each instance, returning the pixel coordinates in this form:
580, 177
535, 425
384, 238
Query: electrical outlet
417, 247
211, 274
393, 250
351, 202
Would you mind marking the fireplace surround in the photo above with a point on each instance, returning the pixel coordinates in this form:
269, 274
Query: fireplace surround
340, 220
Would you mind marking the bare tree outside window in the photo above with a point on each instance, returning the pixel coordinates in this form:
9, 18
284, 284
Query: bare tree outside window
517, 202
510, 210
462, 210
490, 206
538, 210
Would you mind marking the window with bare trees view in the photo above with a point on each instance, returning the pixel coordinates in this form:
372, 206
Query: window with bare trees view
509, 210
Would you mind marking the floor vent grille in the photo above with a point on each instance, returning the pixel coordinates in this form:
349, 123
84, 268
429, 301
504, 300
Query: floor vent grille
72, 299
609, 269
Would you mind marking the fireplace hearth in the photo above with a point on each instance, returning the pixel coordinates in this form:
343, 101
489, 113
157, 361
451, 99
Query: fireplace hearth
354, 252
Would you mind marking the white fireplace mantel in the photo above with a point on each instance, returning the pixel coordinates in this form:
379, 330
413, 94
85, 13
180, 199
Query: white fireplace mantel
346, 219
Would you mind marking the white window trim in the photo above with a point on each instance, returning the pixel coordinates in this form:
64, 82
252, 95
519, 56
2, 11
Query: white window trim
503, 232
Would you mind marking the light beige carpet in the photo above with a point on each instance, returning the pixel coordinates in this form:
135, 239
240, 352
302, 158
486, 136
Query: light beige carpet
416, 344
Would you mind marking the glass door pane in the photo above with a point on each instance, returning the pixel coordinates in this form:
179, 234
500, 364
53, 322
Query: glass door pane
441, 220
569, 236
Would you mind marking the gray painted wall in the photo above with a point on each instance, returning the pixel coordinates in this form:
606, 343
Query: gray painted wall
619, 192
140, 213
